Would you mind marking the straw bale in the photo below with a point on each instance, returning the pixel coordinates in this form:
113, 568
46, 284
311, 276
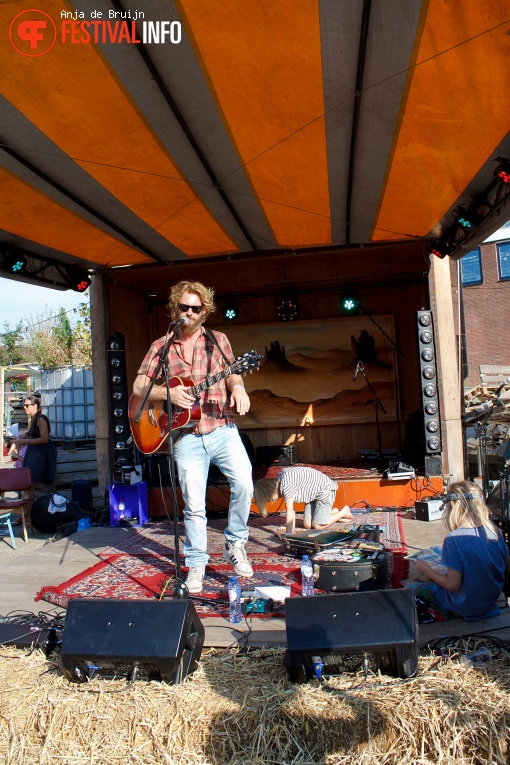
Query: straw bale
241, 708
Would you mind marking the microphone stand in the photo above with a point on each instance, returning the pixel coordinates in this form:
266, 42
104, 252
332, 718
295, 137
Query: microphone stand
394, 349
180, 590
377, 403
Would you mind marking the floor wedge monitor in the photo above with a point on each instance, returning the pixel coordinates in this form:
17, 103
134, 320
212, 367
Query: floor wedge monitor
344, 631
137, 639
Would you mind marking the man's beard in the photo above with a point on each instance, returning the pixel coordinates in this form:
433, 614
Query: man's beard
193, 324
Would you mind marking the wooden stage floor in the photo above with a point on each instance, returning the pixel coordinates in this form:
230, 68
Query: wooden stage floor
23, 572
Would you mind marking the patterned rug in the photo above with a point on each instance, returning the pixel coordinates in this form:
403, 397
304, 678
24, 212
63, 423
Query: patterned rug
344, 471
142, 565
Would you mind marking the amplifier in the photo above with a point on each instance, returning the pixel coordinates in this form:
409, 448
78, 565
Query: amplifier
29, 636
275, 455
428, 509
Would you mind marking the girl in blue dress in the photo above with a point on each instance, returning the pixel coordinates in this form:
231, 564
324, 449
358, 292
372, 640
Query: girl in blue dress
474, 560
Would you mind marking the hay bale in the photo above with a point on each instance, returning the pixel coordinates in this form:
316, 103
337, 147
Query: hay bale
242, 709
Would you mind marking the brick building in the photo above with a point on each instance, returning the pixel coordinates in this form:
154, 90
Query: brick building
485, 278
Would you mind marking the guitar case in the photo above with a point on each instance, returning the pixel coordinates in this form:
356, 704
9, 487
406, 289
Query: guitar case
312, 541
343, 569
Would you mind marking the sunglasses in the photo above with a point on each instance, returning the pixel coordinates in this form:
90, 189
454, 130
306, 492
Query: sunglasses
25, 406
185, 308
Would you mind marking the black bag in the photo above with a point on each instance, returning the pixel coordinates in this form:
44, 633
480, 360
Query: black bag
48, 523
81, 492
337, 570
313, 540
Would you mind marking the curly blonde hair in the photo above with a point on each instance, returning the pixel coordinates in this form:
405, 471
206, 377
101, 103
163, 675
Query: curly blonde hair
466, 505
206, 295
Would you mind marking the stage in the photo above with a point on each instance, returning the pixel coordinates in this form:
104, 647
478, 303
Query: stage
364, 486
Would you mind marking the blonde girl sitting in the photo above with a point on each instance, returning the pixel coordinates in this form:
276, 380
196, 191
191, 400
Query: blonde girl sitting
475, 555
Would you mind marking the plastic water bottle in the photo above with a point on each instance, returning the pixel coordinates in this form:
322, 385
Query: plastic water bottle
307, 587
234, 597
479, 658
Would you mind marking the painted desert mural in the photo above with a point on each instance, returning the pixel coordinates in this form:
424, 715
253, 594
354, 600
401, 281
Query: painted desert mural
306, 373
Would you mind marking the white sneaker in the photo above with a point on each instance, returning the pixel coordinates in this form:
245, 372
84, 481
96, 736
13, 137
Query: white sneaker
195, 579
236, 555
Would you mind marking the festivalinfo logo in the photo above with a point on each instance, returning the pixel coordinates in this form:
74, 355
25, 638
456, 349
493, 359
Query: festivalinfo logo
33, 32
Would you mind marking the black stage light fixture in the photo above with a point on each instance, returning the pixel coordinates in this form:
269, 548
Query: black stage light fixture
349, 303
287, 309
502, 172
12, 260
440, 247
428, 377
79, 281
230, 311
468, 220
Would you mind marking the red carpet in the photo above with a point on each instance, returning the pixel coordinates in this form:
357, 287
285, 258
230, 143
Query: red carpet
140, 565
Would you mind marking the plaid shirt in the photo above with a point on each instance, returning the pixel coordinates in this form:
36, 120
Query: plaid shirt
207, 360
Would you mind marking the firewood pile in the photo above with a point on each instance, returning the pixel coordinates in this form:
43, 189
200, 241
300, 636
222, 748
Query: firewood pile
489, 404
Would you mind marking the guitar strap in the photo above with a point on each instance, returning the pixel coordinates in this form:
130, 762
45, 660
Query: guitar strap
210, 334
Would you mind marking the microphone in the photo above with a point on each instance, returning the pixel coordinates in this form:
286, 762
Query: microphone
180, 322
356, 371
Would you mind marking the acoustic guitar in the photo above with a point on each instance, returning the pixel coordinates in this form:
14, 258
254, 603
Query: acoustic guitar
151, 431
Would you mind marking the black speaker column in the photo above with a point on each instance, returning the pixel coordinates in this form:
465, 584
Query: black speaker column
149, 639
119, 397
343, 628
429, 392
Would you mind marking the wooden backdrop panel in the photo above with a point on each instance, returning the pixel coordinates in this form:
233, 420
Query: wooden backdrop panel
306, 374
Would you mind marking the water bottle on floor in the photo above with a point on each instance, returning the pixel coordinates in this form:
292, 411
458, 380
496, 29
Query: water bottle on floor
307, 587
234, 597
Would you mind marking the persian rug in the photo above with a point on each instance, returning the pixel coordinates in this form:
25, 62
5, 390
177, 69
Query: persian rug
345, 471
141, 566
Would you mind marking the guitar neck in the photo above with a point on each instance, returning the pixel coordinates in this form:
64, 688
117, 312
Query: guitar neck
211, 380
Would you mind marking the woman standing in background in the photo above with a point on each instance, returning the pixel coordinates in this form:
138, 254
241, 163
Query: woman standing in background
41, 453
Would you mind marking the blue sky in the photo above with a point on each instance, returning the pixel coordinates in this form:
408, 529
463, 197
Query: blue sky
20, 302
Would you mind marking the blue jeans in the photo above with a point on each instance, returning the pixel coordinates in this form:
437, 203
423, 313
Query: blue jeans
193, 455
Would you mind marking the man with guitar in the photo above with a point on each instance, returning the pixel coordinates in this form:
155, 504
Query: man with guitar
196, 354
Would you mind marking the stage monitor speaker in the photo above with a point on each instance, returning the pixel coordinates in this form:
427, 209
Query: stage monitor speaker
344, 628
144, 639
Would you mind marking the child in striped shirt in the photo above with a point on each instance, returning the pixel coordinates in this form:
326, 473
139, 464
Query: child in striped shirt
302, 484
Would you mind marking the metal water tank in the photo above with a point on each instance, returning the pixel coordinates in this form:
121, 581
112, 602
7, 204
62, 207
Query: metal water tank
67, 398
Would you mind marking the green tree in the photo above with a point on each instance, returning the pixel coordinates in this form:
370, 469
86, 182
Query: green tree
12, 350
82, 337
63, 334
54, 341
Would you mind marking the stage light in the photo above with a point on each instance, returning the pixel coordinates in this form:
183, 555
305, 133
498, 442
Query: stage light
230, 311
13, 261
79, 281
440, 247
468, 220
349, 303
287, 309
503, 170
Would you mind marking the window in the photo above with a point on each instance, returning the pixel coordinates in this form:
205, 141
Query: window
504, 260
471, 268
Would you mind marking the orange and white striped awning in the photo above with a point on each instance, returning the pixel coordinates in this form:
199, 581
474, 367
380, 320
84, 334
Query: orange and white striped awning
271, 124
